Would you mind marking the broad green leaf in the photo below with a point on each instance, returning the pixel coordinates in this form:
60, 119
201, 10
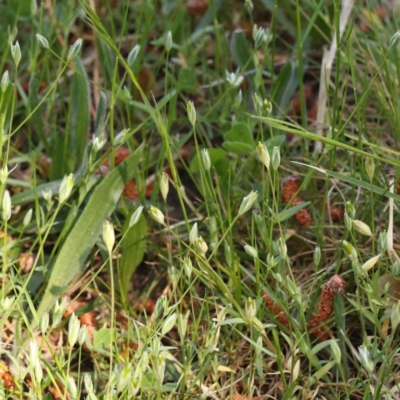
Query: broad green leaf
102, 338
324, 370
79, 112
285, 87
239, 139
187, 80
87, 229
36, 118
133, 249
286, 214
216, 155
101, 113
240, 51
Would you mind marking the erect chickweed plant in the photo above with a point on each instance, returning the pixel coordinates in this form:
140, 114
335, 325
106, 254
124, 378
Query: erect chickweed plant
198, 201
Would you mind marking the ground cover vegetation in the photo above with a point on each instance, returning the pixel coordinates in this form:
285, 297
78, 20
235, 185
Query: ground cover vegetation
199, 199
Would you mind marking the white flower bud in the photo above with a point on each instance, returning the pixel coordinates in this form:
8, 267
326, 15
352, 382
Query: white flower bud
82, 335
135, 216
234, 78
133, 55
73, 330
187, 266
5, 81
317, 256
33, 353
276, 158
370, 263
16, 53
87, 379
201, 246
193, 234
98, 143
42, 41
44, 323
157, 215
168, 324
336, 352
4, 175
191, 112
66, 187
121, 137
251, 251
124, 377
282, 248
350, 251
370, 167
38, 372
263, 154
205, 156
7, 302
74, 49
72, 389
27, 218
164, 185
6, 205
168, 41
365, 358
361, 227
247, 202
250, 309
108, 235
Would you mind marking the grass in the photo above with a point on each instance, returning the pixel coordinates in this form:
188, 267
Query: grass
170, 227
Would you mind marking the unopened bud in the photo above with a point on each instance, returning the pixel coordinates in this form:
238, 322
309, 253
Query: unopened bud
201, 245
108, 235
157, 215
365, 359
350, 209
276, 158
282, 248
168, 324
250, 309
74, 49
191, 112
3, 175
168, 41
193, 234
82, 335
370, 263
247, 202
187, 266
73, 330
336, 352
71, 386
164, 185
251, 251
27, 219
370, 167
66, 187
317, 256
16, 53
350, 251
121, 137
5, 81
42, 41
6, 205
205, 157
132, 56
135, 216
44, 323
263, 154
361, 227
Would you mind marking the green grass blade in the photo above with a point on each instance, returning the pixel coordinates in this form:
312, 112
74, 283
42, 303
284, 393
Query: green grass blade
133, 250
84, 234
